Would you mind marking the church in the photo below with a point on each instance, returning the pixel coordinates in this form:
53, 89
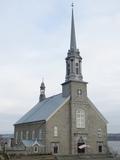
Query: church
67, 123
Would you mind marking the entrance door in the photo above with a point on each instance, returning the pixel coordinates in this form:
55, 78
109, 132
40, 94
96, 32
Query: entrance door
80, 150
55, 149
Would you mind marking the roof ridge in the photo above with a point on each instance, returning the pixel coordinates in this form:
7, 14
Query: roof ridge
54, 95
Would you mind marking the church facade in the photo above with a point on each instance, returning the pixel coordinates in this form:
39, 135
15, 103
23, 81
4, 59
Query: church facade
67, 123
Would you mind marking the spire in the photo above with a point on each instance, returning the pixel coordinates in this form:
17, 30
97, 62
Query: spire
42, 92
73, 60
73, 37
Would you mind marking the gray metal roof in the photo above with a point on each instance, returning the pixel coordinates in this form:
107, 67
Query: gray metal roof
43, 110
29, 143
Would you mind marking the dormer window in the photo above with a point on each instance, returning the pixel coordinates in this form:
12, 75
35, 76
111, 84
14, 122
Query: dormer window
36, 149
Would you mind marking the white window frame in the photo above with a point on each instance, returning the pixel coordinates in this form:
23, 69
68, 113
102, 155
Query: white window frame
36, 151
27, 135
16, 137
80, 118
21, 135
40, 134
55, 131
99, 133
33, 135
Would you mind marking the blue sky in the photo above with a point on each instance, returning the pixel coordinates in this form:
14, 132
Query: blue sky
34, 39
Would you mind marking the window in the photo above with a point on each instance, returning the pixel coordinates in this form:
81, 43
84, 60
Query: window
72, 65
100, 148
77, 64
21, 135
55, 131
16, 137
27, 135
77, 68
33, 135
79, 92
68, 69
99, 133
80, 118
40, 134
36, 149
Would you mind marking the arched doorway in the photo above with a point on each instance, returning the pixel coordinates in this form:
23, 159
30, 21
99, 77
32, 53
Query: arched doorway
81, 146
55, 149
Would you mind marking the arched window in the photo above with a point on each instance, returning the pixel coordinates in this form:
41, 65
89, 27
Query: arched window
27, 135
21, 135
80, 118
68, 68
77, 68
55, 131
72, 65
33, 135
36, 149
16, 137
40, 134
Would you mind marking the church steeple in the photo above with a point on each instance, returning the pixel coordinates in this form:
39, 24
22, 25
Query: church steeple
42, 92
73, 37
73, 60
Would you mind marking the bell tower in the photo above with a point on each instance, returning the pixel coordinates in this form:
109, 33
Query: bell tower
76, 88
73, 59
73, 68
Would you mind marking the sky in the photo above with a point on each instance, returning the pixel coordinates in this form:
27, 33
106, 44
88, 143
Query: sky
34, 40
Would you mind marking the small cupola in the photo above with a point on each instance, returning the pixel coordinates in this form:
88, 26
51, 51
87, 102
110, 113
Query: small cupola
42, 92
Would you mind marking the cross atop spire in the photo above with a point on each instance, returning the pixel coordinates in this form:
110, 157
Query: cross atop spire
73, 37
